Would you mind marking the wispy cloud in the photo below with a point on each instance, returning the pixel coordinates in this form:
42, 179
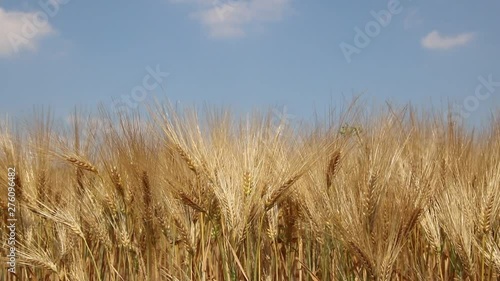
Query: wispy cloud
434, 40
21, 31
232, 18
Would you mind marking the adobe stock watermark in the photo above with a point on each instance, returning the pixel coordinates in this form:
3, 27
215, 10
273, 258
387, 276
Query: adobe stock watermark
470, 104
223, 7
36, 23
11, 219
281, 117
138, 94
363, 37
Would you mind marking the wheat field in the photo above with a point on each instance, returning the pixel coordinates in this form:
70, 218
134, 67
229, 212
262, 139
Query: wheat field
400, 194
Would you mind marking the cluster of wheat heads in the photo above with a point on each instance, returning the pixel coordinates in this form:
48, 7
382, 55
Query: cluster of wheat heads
175, 196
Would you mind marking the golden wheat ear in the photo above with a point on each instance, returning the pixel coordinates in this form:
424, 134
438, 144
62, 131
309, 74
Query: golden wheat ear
79, 162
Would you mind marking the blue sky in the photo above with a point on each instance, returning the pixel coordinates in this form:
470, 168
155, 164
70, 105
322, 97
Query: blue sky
248, 53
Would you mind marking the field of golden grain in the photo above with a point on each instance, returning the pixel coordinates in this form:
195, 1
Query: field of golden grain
205, 195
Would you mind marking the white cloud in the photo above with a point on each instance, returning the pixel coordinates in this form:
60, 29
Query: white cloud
434, 40
231, 18
22, 31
